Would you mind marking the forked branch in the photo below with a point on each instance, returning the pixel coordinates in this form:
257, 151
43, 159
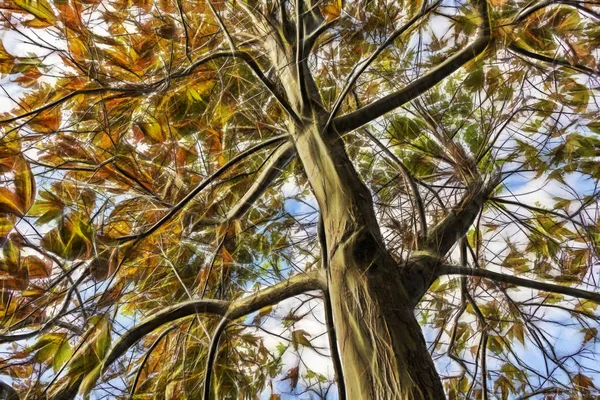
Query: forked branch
177, 207
376, 109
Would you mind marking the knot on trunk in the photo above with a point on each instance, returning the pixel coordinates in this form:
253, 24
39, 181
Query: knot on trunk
359, 250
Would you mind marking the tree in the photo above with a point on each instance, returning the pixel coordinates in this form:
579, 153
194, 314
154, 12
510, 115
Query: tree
423, 175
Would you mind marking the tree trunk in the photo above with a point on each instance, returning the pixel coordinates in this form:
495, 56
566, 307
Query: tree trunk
382, 349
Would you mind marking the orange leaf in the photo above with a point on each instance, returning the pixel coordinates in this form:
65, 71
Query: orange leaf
48, 121
8, 282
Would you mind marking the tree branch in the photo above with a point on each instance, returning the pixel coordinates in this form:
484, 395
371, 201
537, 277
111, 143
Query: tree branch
230, 310
409, 178
376, 109
212, 356
358, 71
272, 171
527, 11
249, 60
456, 224
177, 207
52, 321
554, 61
447, 269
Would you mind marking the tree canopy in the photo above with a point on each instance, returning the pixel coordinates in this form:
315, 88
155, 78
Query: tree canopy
177, 176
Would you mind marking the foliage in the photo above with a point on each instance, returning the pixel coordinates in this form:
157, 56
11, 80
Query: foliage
145, 162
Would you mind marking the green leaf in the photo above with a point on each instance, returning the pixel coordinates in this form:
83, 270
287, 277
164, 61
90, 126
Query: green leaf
63, 355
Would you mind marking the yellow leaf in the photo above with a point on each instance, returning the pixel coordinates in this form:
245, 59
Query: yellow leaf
39, 8
7, 61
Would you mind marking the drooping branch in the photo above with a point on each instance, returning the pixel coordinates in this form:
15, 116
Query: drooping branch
230, 310
376, 109
537, 209
272, 171
145, 359
448, 269
177, 207
59, 101
212, 356
408, 177
54, 321
160, 84
251, 63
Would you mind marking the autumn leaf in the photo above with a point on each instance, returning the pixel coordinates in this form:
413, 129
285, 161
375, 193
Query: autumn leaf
41, 9
19, 199
590, 333
293, 375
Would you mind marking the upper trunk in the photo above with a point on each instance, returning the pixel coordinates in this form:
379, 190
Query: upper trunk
382, 348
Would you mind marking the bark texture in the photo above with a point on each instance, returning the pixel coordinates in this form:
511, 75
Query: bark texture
381, 345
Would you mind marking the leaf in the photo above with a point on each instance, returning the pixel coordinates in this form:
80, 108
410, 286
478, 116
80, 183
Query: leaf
12, 283
41, 9
590, 333
151, 130
37, 268
48, 121
63, 355
19, 200
293, 375
53, 347
7, 61
104, 264
7, 222
71, 239
583, 381
89, 382
299, 337
518, 331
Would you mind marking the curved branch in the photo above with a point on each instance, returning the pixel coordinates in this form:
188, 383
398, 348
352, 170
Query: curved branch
230, 310
528, 11
212, 355
146, 356
554, 61
409, 178
177, 207
376, 109
140, 90
537, 209
442, 237
52, 321
448, 269
61, 100
249, 60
